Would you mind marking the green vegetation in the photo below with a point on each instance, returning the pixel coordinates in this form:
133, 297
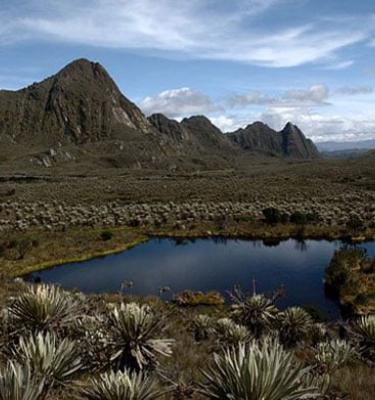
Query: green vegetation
59, 345
190, 298
257, 371
106, 235
121, 385
350, 277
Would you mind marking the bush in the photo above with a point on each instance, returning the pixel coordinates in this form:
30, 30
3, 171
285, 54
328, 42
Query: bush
338, 271
106, 235
190, 298
272, 215
300, 218
355, 223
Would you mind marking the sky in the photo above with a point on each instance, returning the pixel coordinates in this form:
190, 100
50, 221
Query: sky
311, 62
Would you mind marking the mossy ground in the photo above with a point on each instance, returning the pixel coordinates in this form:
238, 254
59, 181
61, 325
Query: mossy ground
350, 277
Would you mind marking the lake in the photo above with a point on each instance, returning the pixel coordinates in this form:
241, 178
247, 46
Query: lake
210, 264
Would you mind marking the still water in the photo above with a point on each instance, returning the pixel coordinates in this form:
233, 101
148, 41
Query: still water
209, 264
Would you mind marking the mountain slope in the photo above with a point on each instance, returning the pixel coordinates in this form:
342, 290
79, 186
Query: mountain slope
80, 104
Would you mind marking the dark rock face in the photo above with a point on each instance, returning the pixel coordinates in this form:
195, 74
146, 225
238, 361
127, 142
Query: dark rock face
79, 104
206, 135
290, 142
296, 145
169, 127
258, 137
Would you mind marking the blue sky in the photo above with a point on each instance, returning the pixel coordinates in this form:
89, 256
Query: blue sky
308, 61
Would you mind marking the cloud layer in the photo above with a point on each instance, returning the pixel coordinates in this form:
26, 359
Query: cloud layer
311, 108
178, 102
208, 29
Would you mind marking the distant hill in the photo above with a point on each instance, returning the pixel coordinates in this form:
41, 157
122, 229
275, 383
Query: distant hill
346, 146
79, 119
290, 142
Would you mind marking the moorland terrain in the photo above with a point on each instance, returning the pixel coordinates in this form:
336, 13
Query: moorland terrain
83, 172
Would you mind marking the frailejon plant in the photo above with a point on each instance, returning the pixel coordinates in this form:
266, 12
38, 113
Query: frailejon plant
17, 383
334, 354
120, 385
257, 371
257, 313
41, 308
295, 324
364, 327
203, 327
49, 359
134, 331
230, 333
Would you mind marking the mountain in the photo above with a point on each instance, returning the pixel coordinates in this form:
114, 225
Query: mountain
290, 142
79, 119
81, 103
78, 115
296, 145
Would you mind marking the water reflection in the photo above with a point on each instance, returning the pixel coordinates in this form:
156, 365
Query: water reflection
209, 264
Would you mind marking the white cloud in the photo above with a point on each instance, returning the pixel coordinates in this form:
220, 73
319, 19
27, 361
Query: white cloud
209, 29
337, 66
354, 90
320, 127
226, 124
314, 95
306, 108
177, 103
251, 98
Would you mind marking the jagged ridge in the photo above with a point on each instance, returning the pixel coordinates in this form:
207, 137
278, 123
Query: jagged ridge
81, 109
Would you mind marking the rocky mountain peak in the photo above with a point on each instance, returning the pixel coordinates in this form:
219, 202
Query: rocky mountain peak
296, 145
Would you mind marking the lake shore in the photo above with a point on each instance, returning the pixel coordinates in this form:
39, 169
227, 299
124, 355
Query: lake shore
34, 250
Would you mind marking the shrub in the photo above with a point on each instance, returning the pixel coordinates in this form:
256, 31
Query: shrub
355, 223
298, 218
258, 372
106, 235
92, 335
190, 298
133, 330
121, 386
272, 215
338, 272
